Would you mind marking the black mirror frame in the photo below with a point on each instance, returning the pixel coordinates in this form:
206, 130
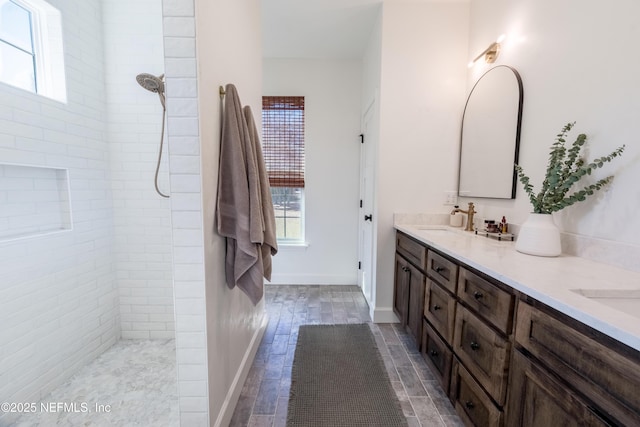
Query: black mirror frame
517, 139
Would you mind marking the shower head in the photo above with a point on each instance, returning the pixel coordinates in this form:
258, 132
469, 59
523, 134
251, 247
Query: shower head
153, 84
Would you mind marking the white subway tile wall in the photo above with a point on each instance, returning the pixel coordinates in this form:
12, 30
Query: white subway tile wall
186, 211
58, 293
142, 218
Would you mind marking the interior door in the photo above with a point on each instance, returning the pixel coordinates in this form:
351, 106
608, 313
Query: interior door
366, 220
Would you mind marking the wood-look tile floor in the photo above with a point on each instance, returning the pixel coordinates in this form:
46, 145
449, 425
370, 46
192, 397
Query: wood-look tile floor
265, 394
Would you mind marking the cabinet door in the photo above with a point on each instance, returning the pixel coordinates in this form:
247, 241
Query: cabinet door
401, 289
538, 400
417, 283
598, 369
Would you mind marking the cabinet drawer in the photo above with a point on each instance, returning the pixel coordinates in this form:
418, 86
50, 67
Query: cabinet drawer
411, 250
483, 351
608, 378
440, 310
437, 355
473, 406
537, 399
492, 303
442, 271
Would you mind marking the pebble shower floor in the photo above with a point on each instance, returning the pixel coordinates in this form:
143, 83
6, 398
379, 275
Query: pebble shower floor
133, 384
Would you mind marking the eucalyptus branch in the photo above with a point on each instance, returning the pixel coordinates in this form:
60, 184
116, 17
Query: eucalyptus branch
565, 168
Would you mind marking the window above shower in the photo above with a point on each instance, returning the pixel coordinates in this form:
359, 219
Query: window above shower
31, 53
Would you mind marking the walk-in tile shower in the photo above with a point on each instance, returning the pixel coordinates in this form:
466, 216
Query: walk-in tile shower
85, 240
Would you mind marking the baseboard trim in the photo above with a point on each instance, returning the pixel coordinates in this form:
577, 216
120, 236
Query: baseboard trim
383, 315
230, 402
296, 279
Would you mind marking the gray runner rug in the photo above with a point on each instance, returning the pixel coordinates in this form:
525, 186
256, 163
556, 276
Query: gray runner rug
339, 379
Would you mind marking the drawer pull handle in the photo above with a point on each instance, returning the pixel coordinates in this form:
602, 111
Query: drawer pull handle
436, 307
439, 269
475, 346
434, 353
477, 295
405, 269
469, 404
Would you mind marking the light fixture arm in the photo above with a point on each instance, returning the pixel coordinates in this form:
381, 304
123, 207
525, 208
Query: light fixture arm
490, 54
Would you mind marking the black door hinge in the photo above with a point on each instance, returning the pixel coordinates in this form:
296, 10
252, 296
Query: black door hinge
362, 138
359, 265
360, 202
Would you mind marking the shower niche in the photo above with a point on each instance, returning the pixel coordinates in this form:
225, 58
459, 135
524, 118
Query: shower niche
34, 201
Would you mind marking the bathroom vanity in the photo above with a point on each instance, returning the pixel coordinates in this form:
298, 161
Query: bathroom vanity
517, 340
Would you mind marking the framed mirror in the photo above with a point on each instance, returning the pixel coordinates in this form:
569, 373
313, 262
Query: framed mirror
490, 135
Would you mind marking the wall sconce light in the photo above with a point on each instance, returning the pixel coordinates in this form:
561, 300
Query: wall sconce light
491, 53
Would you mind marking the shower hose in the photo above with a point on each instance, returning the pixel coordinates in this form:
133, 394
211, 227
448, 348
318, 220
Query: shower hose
164, 113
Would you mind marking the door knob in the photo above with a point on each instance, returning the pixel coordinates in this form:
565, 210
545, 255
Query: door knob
368, 217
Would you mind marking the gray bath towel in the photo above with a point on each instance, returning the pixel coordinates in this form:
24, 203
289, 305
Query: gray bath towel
269, 243
239, 209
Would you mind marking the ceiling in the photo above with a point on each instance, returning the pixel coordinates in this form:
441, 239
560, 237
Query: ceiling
317, 28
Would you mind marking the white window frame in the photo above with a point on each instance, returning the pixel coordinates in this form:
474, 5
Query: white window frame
301, 240
46, 31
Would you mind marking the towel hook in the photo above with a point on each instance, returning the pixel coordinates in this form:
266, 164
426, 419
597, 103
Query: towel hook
222, 92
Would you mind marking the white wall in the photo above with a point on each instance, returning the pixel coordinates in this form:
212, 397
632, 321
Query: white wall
217, 329
578, 63
133, 45
234, 324
58, 295
423, 74
332, 153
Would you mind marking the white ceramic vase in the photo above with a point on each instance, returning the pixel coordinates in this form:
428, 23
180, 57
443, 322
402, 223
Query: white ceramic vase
539, 236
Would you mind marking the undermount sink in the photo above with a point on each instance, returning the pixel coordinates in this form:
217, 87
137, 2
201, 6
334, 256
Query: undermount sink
624, 300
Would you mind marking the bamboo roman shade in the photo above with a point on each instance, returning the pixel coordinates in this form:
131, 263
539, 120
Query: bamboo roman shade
283, 140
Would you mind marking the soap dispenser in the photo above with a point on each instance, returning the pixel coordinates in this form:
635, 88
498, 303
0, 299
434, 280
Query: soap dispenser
455, 220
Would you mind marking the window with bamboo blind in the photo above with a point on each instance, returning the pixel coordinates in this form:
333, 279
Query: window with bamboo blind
283, 150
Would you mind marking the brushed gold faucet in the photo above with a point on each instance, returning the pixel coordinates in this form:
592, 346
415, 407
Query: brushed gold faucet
470, 212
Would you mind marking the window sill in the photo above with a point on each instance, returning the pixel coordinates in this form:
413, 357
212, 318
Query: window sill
293, 245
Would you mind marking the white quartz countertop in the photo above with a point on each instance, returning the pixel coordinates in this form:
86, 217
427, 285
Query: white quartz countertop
552, 281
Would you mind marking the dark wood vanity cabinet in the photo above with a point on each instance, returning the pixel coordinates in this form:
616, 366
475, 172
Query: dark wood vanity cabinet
442, 270
505, 359
417, 283
482, 346
484, 352
599, 376
438, 355
472, 404
401, 289
409, 285
440, 309
489, 300
538, 399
